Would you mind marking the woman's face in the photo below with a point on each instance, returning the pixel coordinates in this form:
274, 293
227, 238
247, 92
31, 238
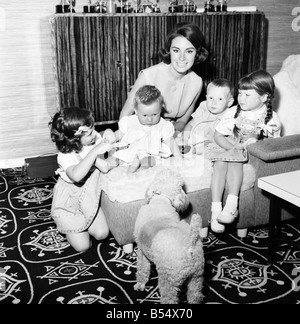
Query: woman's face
182, 54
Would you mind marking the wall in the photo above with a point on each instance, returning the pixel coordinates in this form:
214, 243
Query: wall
27, 84
27, 87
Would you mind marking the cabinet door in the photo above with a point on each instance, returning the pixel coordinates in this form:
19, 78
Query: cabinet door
91, 63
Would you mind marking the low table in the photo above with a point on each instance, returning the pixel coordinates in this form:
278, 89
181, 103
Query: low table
284, 186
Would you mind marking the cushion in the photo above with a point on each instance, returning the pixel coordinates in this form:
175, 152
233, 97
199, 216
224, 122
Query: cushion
287, 95
196, 172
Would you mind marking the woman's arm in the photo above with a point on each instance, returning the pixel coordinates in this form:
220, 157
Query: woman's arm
173, 146
128, 107
183, 137
181, 122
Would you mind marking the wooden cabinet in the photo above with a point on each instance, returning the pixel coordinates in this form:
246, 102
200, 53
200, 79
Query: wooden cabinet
99, 56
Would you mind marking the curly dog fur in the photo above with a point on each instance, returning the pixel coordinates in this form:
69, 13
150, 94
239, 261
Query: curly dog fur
173, 245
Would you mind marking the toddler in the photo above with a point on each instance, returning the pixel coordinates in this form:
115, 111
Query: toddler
146, 137
200, 129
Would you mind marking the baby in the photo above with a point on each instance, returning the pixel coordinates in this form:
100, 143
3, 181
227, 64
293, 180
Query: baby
145, 138
200, 129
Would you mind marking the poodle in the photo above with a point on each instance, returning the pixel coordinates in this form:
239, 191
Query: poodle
172, 244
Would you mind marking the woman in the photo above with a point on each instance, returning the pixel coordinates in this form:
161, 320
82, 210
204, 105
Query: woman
179, 86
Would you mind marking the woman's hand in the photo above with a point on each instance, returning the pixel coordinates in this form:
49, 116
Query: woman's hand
182, 138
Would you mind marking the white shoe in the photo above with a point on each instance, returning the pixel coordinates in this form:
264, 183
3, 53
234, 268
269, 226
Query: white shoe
227, 217
215, 226
203, 232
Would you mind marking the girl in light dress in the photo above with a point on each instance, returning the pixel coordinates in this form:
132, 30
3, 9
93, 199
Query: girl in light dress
76, 196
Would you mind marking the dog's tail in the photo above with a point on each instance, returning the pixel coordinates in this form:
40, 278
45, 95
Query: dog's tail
196, 225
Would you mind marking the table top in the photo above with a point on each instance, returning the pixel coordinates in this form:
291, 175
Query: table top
284, 185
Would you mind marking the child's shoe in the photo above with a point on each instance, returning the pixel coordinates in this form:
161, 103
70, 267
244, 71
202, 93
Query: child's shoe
230, 211
215, 226
227, 216
134, 166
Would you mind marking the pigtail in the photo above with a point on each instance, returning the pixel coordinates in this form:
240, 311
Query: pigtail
269, 115
236, 129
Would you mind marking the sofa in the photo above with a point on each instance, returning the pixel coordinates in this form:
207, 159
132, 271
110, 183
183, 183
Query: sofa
268, 157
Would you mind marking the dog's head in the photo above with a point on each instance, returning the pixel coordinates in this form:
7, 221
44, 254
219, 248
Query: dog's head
170, 184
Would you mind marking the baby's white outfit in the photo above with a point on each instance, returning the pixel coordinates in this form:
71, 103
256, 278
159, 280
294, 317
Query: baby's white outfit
142, 140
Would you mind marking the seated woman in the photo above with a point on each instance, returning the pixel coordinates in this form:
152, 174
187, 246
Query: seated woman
178, 84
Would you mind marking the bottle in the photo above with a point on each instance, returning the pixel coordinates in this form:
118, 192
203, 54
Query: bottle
110, 7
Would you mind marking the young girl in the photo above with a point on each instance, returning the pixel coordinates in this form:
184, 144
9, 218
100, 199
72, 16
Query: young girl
251, 120
147, 136
76, 195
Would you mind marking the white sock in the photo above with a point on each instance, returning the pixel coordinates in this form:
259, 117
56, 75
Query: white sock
216, 208
231, 203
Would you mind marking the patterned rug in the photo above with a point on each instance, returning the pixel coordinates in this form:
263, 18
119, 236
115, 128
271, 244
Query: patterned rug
37, 265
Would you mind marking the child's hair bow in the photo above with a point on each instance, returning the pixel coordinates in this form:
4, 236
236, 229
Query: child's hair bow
81, 129
267, 129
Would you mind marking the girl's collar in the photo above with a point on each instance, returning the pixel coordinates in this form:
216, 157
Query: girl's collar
259, 111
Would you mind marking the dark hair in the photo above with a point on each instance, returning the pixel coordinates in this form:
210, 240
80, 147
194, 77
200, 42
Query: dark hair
193, 34
263, 83
64, 125
223, 83
147, 95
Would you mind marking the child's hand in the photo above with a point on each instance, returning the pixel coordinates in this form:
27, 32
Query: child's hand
109, 136
182, 138
239, 146
103, 148
249, 141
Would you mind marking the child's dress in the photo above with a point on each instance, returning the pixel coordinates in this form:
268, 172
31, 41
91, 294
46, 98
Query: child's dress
142, 140
250, 124
75, 205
